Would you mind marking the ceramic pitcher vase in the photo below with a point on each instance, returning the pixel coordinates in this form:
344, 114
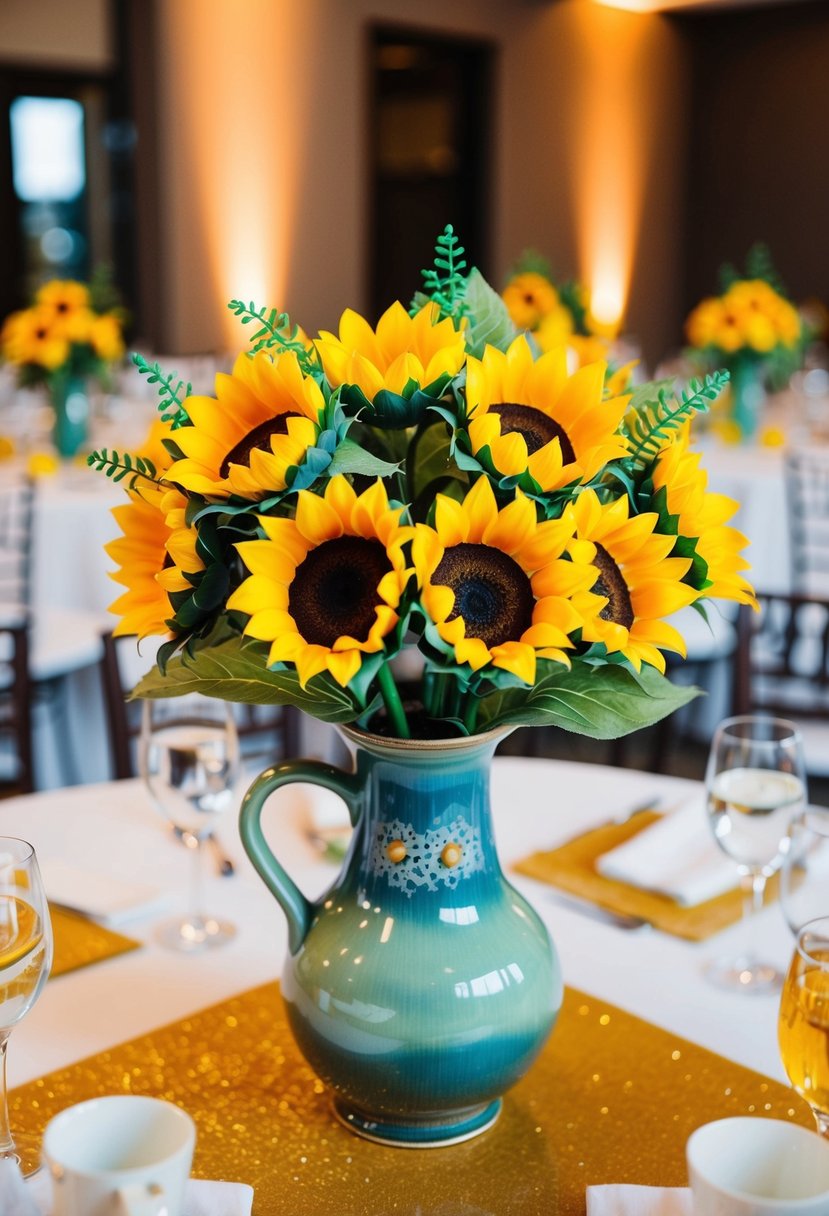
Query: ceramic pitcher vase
421, 986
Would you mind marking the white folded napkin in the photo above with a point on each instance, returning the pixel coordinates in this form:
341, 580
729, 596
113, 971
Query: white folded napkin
102, 897
625, 1200
34, 1197
677, 857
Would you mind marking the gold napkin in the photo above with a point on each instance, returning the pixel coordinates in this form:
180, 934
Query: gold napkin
572, 868
79, 942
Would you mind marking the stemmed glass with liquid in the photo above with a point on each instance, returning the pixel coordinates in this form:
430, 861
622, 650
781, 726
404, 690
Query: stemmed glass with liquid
755, 783
803, 1026
25, 960
188, 756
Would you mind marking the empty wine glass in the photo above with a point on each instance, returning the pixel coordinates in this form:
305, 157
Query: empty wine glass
189, 758
803, 1025
804, 879
25, 960
755, 782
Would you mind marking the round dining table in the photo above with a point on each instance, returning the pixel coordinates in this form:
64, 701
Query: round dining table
113, 829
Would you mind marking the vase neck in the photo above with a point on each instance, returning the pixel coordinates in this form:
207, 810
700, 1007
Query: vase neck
425, 824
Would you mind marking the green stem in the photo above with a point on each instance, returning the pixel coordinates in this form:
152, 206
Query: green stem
392, 702
429, 693
470, 717
455, 700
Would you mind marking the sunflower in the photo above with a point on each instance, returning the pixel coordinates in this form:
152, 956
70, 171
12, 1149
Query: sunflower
262, 421
106, 337
704, 516
530, 297
30, 337
405, 357
635, 582
324, 588
555, 329
69, 305
495, 583
532, 416
155, 553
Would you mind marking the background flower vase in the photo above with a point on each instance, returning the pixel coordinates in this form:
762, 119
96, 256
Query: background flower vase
69, 398
421, 986
748, 395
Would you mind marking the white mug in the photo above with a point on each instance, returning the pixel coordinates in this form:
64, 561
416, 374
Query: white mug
758, 1167
120, 1156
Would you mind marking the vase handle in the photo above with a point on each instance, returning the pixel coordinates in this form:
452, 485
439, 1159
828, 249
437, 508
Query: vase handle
296, 907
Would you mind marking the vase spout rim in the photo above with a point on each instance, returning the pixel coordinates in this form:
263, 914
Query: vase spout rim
459, 743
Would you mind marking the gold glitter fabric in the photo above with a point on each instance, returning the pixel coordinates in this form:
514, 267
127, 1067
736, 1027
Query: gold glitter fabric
572, 867
79, 942
611, 1099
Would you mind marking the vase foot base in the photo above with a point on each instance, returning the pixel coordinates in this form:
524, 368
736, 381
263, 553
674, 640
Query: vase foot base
418, 1133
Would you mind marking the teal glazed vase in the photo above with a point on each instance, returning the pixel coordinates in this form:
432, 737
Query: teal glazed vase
748, 396
69, 398
421, 986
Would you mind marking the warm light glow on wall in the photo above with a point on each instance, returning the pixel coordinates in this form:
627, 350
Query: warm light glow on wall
611, 156
238, 97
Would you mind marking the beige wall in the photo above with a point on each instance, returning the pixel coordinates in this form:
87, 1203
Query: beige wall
263, 149
68, 33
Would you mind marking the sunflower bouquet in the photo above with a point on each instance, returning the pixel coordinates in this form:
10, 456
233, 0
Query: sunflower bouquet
431, 488
71, 329
556, 314
752, 329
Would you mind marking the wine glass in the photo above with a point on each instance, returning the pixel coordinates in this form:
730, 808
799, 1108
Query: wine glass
803, 1025
188, 756
755, 782
804, 879
25, 960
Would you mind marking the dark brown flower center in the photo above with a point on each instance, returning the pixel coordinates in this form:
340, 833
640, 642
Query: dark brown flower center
40, 333
535, 426
492, 593
611, 583
259, 437
334, 592
62, 306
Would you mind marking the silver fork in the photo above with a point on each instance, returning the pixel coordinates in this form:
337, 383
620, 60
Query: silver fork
224, 865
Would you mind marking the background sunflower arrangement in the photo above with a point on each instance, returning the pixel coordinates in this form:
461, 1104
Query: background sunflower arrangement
557, 314
752, 329
71, 329
432, 488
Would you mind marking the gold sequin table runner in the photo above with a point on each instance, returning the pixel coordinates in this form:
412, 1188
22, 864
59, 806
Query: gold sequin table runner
79, 942
611, 1099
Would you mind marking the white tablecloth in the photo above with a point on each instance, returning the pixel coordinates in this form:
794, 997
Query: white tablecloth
536, 803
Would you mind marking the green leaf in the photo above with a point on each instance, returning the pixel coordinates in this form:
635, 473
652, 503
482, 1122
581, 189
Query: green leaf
428, 458
351, 458
602, 702
489, 321
236, 671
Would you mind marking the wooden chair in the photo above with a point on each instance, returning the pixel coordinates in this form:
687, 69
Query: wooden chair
267, 733
60, 641
782, 667
16, 710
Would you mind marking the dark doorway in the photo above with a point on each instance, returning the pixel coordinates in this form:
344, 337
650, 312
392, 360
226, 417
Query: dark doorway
66, 147
429, 155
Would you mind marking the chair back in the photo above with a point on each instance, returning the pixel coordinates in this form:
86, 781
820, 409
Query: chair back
16, 516
267, 731
807, 500
781, 667
16, 707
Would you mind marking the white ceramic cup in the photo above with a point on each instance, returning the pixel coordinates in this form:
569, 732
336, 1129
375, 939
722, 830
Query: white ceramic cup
119, 1156
758, 1167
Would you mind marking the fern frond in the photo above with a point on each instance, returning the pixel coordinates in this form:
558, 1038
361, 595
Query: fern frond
445, 281
119, 466
171, 392
275, 330
649, 424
